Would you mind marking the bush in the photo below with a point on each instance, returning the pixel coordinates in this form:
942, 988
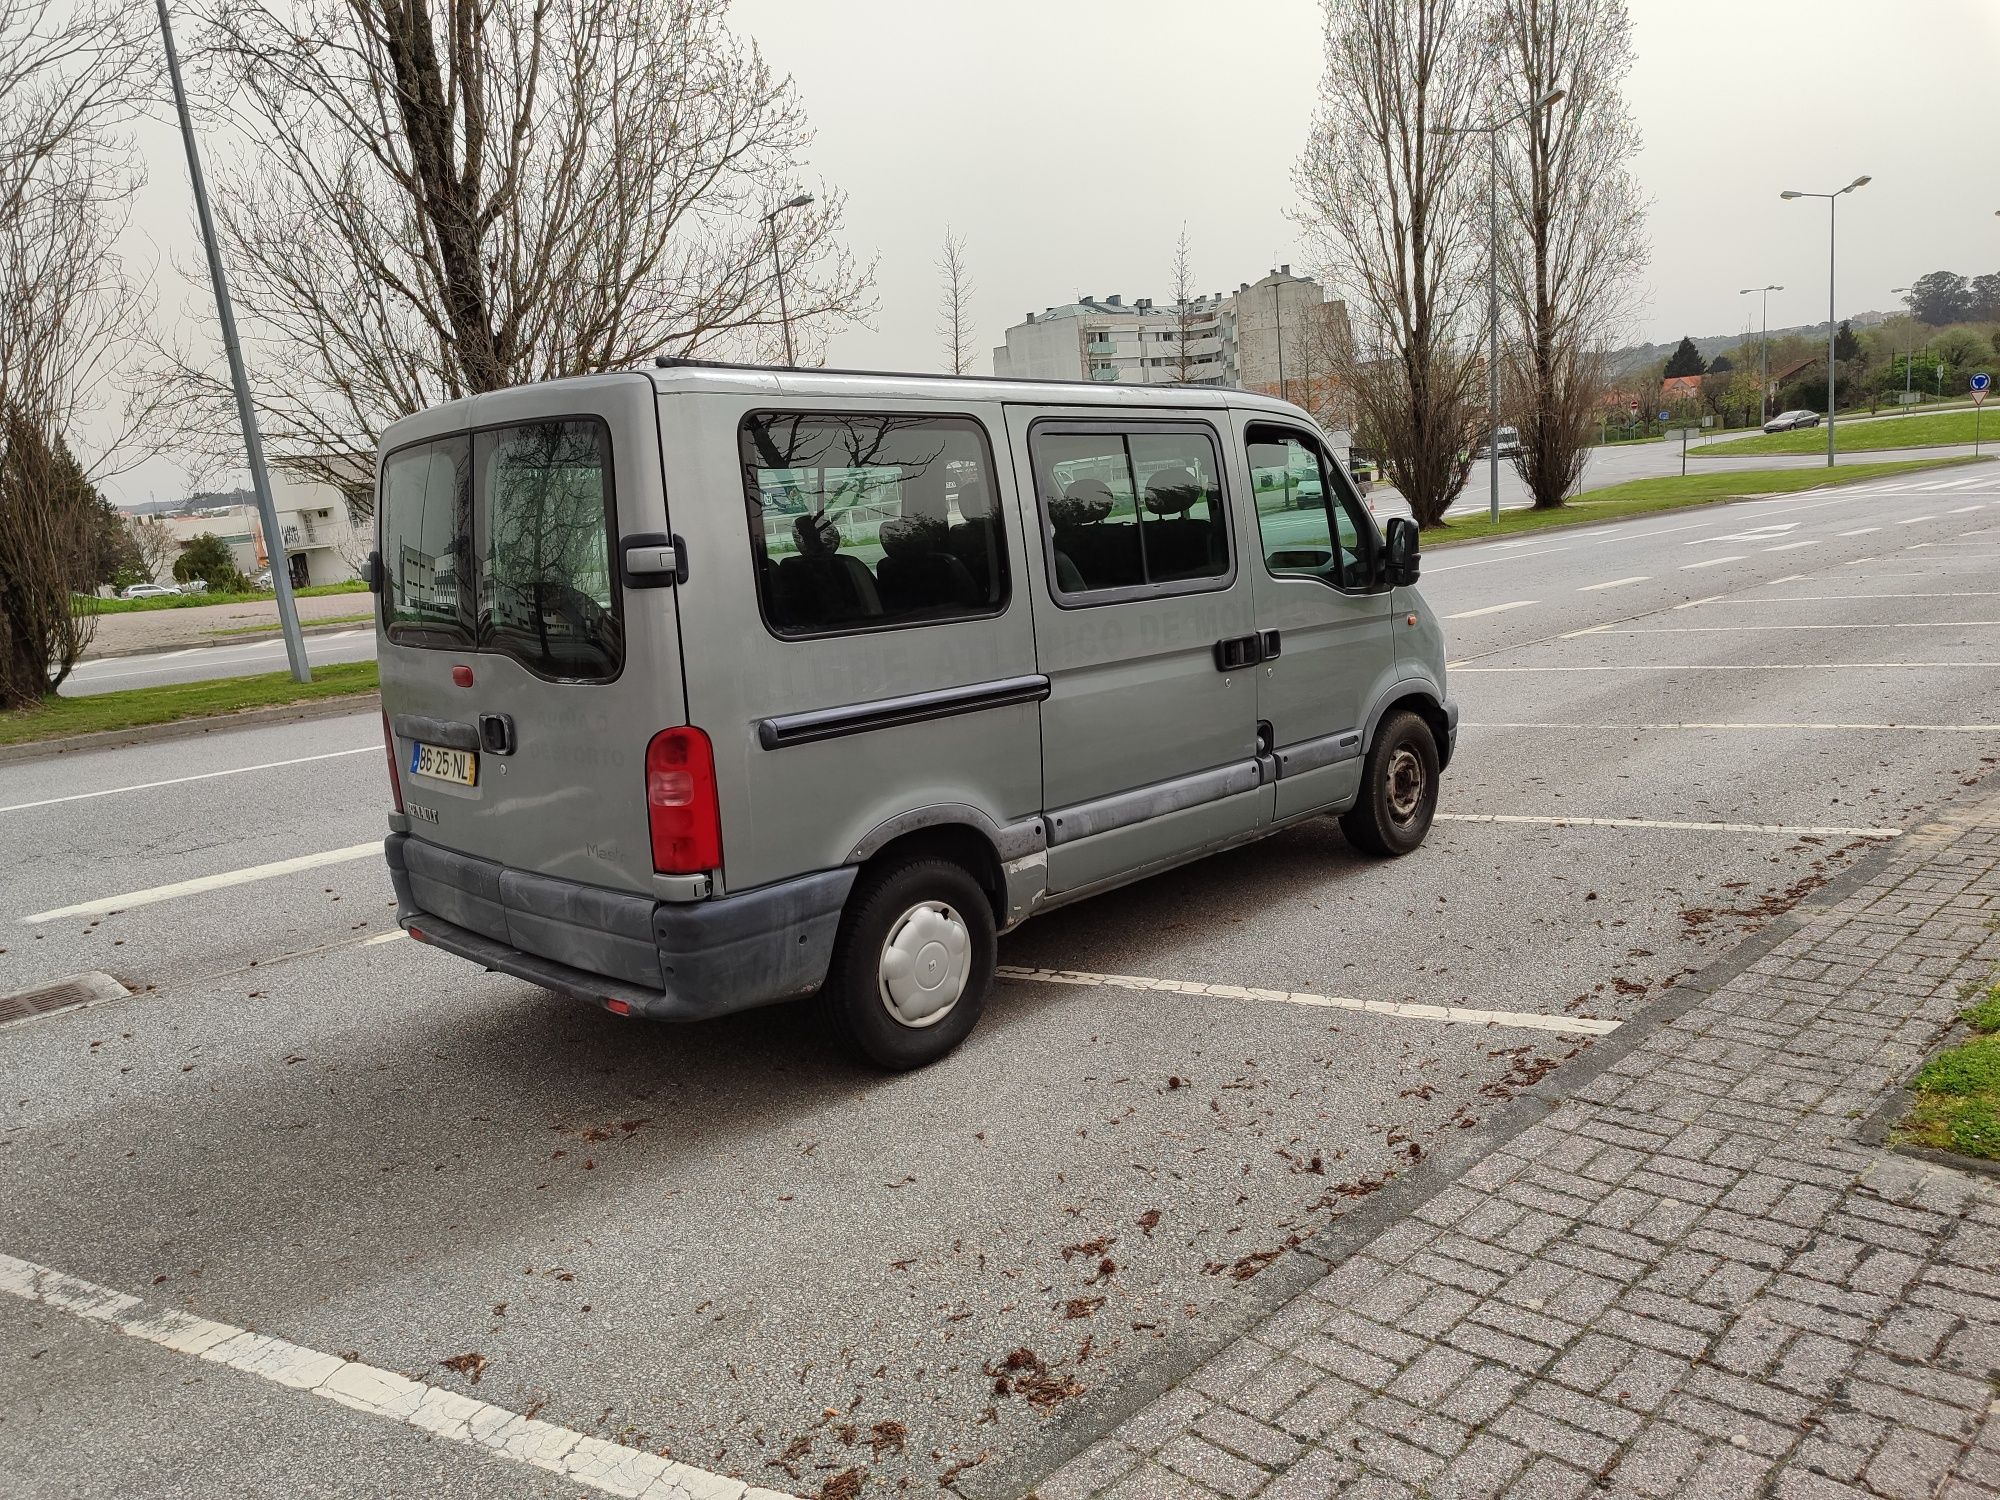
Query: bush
209, 559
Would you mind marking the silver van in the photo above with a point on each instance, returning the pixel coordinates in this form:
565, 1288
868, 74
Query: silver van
707, 687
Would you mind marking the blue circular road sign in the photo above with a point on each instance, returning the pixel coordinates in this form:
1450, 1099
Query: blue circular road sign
1665, 415
1981, 381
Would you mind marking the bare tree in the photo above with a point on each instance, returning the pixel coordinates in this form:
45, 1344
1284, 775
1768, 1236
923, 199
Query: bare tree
443, 201
157, 544
1184, 299
1385, 199
1573, 243
71, 76
955, 303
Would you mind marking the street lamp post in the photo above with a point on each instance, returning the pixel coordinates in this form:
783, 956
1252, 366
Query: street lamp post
1763, 349
1910, 354
778, 267
1831, 329
1491, 130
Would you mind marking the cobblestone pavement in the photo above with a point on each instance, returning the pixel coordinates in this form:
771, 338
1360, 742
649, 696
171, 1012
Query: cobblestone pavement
1692, 1277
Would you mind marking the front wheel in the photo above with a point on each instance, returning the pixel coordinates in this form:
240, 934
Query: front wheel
912, 964
1399, 788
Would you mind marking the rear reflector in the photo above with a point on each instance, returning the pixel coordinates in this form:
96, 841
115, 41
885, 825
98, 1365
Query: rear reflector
618, 1007
395, 776
417, 935
681, 806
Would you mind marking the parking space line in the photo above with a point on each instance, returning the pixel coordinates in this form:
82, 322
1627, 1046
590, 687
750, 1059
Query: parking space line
1843, 598
1861, 531
1730, 724
1712, 562
1492, 609
207, 883
1705, 599
1913, 520
1793, 547
1759, 629
1455, 1015
1747, 666
147, 786
1551, 820
607, 1467
1615, 583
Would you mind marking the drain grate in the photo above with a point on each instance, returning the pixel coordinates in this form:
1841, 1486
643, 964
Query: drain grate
72, 993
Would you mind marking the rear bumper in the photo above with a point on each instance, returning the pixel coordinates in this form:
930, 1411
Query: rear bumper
666, 960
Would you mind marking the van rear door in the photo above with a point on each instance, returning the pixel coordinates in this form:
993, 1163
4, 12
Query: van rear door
521, 679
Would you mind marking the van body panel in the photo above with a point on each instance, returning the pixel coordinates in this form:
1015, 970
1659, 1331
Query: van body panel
1138, 712
806, 803
569, 800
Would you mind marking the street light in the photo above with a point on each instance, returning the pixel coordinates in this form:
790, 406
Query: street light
1910, 355
778, 267
1764, 350
1491, 130
1831, 200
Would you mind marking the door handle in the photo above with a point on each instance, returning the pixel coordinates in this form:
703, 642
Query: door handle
1268, 645
1236, 652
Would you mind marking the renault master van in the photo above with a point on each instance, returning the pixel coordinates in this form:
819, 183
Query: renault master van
708, 687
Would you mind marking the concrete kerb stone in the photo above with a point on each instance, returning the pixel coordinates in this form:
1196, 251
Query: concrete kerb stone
181, 729
247, 638
1094, 1416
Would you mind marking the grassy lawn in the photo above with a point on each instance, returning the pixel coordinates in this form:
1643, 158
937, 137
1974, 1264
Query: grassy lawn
1852, 434
1639, 496
197, 601
272, 627
180, 700
1958, 1092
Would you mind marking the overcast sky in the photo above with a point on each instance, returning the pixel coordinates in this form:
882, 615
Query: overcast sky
1070, 140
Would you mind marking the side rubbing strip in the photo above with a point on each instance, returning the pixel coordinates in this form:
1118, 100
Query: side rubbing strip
1126, 808
887, 713
1310, 755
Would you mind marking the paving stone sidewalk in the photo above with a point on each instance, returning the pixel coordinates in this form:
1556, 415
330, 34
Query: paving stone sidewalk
1692, 1278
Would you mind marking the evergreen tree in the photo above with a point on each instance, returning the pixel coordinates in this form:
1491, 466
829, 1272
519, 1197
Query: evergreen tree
1721, 365
1686, 360
1845, 344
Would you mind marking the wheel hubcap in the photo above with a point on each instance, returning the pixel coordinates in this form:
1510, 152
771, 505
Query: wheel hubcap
1406, 784
925, 964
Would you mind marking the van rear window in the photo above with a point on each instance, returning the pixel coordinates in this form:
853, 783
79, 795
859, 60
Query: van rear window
426, 508
862, 521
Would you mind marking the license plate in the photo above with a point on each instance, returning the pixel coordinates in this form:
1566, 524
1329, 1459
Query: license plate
440, 764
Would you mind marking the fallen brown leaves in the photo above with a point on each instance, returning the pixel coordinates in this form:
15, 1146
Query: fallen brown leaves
1023, 1374
471, 1365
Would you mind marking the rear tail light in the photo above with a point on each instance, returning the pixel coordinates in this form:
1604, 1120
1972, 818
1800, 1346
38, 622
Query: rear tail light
681, 805
395, 776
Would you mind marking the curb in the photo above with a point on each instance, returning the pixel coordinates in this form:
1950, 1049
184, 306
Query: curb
1076, 1428
182, 729
248, 638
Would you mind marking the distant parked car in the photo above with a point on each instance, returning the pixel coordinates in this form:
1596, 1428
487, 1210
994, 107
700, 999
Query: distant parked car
1509, 443
262, 580
1791, 421
151, 591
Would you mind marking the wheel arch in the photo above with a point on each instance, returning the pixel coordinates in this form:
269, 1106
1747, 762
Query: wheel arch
1422, 699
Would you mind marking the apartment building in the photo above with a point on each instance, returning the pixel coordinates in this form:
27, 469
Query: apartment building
320, 540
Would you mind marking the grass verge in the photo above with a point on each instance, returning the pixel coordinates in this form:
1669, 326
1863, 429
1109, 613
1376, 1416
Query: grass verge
1674, 492
199, 601
180, 700
1857, 435
271, 627
1958, 1092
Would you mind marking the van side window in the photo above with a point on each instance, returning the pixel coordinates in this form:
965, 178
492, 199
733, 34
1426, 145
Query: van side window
1136, 507
426, 506
546, 596
1310, 522
861, 521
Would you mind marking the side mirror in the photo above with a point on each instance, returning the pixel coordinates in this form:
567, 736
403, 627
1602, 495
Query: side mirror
1399, 552
371, 572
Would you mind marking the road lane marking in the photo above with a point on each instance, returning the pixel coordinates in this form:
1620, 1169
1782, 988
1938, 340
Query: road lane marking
1456, 1015
1615, 583
1570, 635
1705, 599
1843, 598
572, 1456
381, 938
1484, 561
208, 883
1913, 520
1962, 510
1492, 609
1793, 547
1737, 724
1788, 578
1861, 531
147, 786
1712, 562
1747, 666
1757, 629
1668, 823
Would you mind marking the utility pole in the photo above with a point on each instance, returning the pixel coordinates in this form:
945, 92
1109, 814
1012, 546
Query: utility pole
246, 413
1909, 354
778, 266
1763, 349
1832, 327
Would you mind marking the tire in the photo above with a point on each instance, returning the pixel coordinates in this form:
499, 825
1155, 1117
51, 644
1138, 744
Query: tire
1399, 788
925, 909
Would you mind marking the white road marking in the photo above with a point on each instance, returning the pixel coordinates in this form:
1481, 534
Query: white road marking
1492, 609
1843, 598
381, 938
1616, 583
1747, 666
1484, 561
1788, 578
1705, 599
1456, 1015
1793, 547
147, 786
1570, 635
1713, 561
573, 1457
208, 883
1962, 510
1913, 520
1753, 629
1927, 728
1861, 531
1784, 828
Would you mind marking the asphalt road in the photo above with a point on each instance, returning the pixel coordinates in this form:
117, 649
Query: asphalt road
723, 1242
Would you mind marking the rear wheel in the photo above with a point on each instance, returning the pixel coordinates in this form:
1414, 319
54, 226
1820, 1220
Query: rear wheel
912, 964
1399, 788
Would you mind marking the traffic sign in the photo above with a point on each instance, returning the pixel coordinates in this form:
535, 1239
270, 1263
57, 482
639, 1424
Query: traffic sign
1664, 415
1981, 381
1634, 408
